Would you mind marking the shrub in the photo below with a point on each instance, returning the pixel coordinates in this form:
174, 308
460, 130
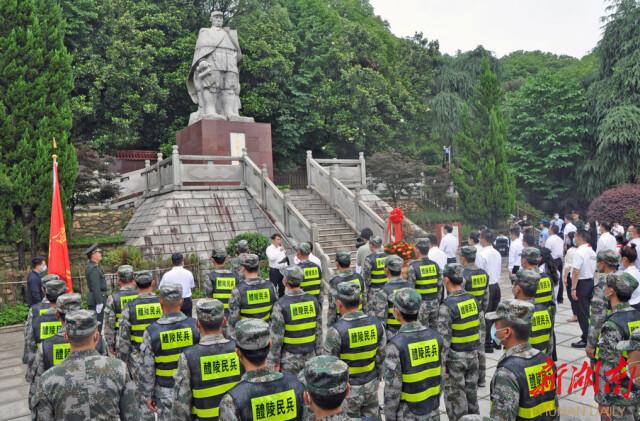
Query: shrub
13, 314
619, 204
258, 244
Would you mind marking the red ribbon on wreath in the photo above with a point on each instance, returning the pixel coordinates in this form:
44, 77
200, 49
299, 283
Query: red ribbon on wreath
394, 224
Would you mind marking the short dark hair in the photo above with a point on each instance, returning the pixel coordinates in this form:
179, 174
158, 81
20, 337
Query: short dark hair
409, 317
349, 303
515, 230
475, 236
346, 265
448, 228
521, 331
545, 224
583, 234
255, 356
275, 235
366, 233
177, 259
528, 289
432, 239
568, 217
455, 281
606, 225
395, 272
36, 261
528, 238
623, 296
554, 229
630, 252
80, 340
487, 235
219, 260
209, 325
328, 402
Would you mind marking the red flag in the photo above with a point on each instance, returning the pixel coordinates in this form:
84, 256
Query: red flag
58, 251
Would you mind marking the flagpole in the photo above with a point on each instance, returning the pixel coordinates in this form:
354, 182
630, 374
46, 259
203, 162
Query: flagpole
54, 156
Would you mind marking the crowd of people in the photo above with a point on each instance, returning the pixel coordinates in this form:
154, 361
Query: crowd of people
265, 349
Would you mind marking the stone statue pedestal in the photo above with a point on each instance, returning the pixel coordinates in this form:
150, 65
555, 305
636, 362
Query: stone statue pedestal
228, 138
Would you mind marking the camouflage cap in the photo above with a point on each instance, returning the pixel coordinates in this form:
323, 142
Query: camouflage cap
210, 310
50, 277
242, 246
55, 287
219, 253
304, 248
252, 334
531, 255
125, 273
407, 300
344, 258
514, 311
325, 375
393, 262
423, 243
294, 275
528, 279
454, 272
475, 417
348, 290
468, 252
375, 241
171, 291
80, 323
633, 344
610, 257
67, 303
623, 283
250, 261
144, 278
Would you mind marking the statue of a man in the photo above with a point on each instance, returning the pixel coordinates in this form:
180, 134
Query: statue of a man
213, 81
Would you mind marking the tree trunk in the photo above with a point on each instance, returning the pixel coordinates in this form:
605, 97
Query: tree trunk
34, 240
20, 250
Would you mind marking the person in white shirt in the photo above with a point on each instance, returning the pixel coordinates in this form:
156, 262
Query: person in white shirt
435, 253
449, 244
584, 266
629, 257
606, 240
556, 246
568, 227
277, 258
474, 241
515, 249
491, 262
634, 238
178, 274
617, 230
566, 275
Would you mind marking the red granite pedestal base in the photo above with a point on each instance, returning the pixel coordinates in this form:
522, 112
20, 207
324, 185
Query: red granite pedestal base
218, 137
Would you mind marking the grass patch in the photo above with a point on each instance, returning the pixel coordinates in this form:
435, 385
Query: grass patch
427, 217
104, 239
13, 314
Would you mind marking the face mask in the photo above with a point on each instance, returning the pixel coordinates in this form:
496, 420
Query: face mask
43, 268
494, 336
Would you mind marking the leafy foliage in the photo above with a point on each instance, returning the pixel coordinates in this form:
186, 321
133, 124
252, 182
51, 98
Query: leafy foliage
399, 173
95, 181
258, 244
620, 204
13, 314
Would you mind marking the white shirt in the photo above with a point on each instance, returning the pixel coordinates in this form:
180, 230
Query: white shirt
515, 253
275, 256
449, 245
555, 245
585, 261
635, 297
567, 229
617, 229
491, 262
478, 252
607, 242
636, 241
182, 276
568, 262
437, 256
312, 257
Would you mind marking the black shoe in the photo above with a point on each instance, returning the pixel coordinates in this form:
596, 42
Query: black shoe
488, 349
580, 344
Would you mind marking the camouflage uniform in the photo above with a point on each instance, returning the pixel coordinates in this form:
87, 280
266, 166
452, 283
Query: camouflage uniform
381, 306
363, 399
505, 386
313, 280
343, 275
599, 307
408, 301
221, 376
253, 334
614, 330
153, 385
279, 356
461, 359
326, 376
633, 344
110, 318
428, 315
86, 386
242, 249
34, 311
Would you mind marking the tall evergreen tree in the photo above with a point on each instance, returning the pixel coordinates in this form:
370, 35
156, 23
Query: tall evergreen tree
35, 86
481, 176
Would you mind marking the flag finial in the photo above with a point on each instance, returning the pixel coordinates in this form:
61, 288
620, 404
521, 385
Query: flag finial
54, 156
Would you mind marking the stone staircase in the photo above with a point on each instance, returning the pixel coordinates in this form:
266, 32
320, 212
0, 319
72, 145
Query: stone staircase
334, 233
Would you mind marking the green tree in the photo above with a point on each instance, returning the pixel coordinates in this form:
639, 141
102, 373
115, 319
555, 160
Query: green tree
35, 86
482, 177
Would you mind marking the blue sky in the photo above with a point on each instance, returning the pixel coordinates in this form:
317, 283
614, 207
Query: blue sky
571, 27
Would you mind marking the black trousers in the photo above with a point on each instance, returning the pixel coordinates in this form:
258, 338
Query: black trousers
276, 278
494, 300
187, 307
559, 298
451, 260
515, 269
574, 305
584, 291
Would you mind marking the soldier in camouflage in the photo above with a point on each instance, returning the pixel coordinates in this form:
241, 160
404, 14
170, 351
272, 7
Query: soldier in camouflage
373, 270
86, 385
632, 349
459, 325
382, 305
412, 400
253, 297
296, 325
220, 282
163, 342
206, 370
242, 249
36, 334
37, 310
326, 381
607, 261
115, 304
262, 394
476, 283
616, 328
312, 283
525, 285
424, 275
362, 349
344, 274
512, 396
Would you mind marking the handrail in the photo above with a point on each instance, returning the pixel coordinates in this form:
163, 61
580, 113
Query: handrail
338, 161
299, 215
155, 166
210, 158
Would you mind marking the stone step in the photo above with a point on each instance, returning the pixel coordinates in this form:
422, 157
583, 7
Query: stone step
336, 224
310, 205
332, 231
329, 242
336, 236
336, 247
317, 212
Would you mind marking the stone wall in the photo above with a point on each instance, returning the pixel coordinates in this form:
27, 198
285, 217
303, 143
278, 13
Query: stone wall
102, 222
193, 221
